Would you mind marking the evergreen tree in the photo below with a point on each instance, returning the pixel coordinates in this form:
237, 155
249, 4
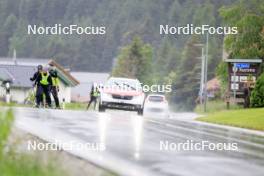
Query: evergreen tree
186, 80
135, 61
248, 17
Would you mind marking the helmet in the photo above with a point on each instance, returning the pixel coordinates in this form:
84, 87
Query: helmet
40, 67
52, 68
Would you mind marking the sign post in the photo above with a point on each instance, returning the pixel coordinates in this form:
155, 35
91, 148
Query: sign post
235, 80
205, 71
241, 72
7, 97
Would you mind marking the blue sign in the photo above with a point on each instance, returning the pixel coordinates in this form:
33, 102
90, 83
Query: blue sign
242, 65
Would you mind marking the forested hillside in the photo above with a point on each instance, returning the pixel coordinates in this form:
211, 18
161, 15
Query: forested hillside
123, 20
133, 32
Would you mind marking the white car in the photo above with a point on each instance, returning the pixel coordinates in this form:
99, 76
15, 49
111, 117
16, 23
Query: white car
122, 93
156, 105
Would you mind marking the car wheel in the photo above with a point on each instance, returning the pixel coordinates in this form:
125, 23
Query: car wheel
140, 112
101, 108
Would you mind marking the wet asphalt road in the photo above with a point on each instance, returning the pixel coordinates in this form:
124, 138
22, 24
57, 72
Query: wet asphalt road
133, 143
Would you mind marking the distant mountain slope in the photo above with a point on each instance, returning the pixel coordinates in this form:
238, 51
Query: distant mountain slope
123, 19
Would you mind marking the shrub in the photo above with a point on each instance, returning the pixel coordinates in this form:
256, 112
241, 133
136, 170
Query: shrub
257, 95
13, 163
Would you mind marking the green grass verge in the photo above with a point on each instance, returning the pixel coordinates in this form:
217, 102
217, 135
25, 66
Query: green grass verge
75, 106
244, 118
6, 120
215, 106
13, 163
27, 165
12, 104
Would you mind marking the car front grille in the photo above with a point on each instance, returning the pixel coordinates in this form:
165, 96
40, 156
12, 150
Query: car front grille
156, 110
120, 97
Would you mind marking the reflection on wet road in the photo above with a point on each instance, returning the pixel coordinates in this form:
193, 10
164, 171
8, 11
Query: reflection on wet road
134, 143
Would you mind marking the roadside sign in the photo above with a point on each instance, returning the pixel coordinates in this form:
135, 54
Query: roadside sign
242, 65
241, 71
234, 79
234, 86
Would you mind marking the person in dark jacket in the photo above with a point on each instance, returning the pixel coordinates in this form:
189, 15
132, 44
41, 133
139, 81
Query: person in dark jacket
94, 94
55, 85
45, 82
39, 99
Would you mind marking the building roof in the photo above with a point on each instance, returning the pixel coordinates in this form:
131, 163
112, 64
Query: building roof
22, 69
244, 60
5, 75
23, 61
19, 75
64, 75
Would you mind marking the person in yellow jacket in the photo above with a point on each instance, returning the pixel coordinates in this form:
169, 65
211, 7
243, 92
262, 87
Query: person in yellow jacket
94, 94
45, 81
55, 85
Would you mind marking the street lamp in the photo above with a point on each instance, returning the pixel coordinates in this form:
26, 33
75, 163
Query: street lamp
204, 70
202, 80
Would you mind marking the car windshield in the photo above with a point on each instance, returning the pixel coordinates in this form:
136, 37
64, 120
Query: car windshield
156, 98
125, 84
130, 86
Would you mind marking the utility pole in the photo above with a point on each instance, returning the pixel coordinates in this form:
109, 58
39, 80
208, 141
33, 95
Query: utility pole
202, 79
201, 92
205, 72
235, 81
